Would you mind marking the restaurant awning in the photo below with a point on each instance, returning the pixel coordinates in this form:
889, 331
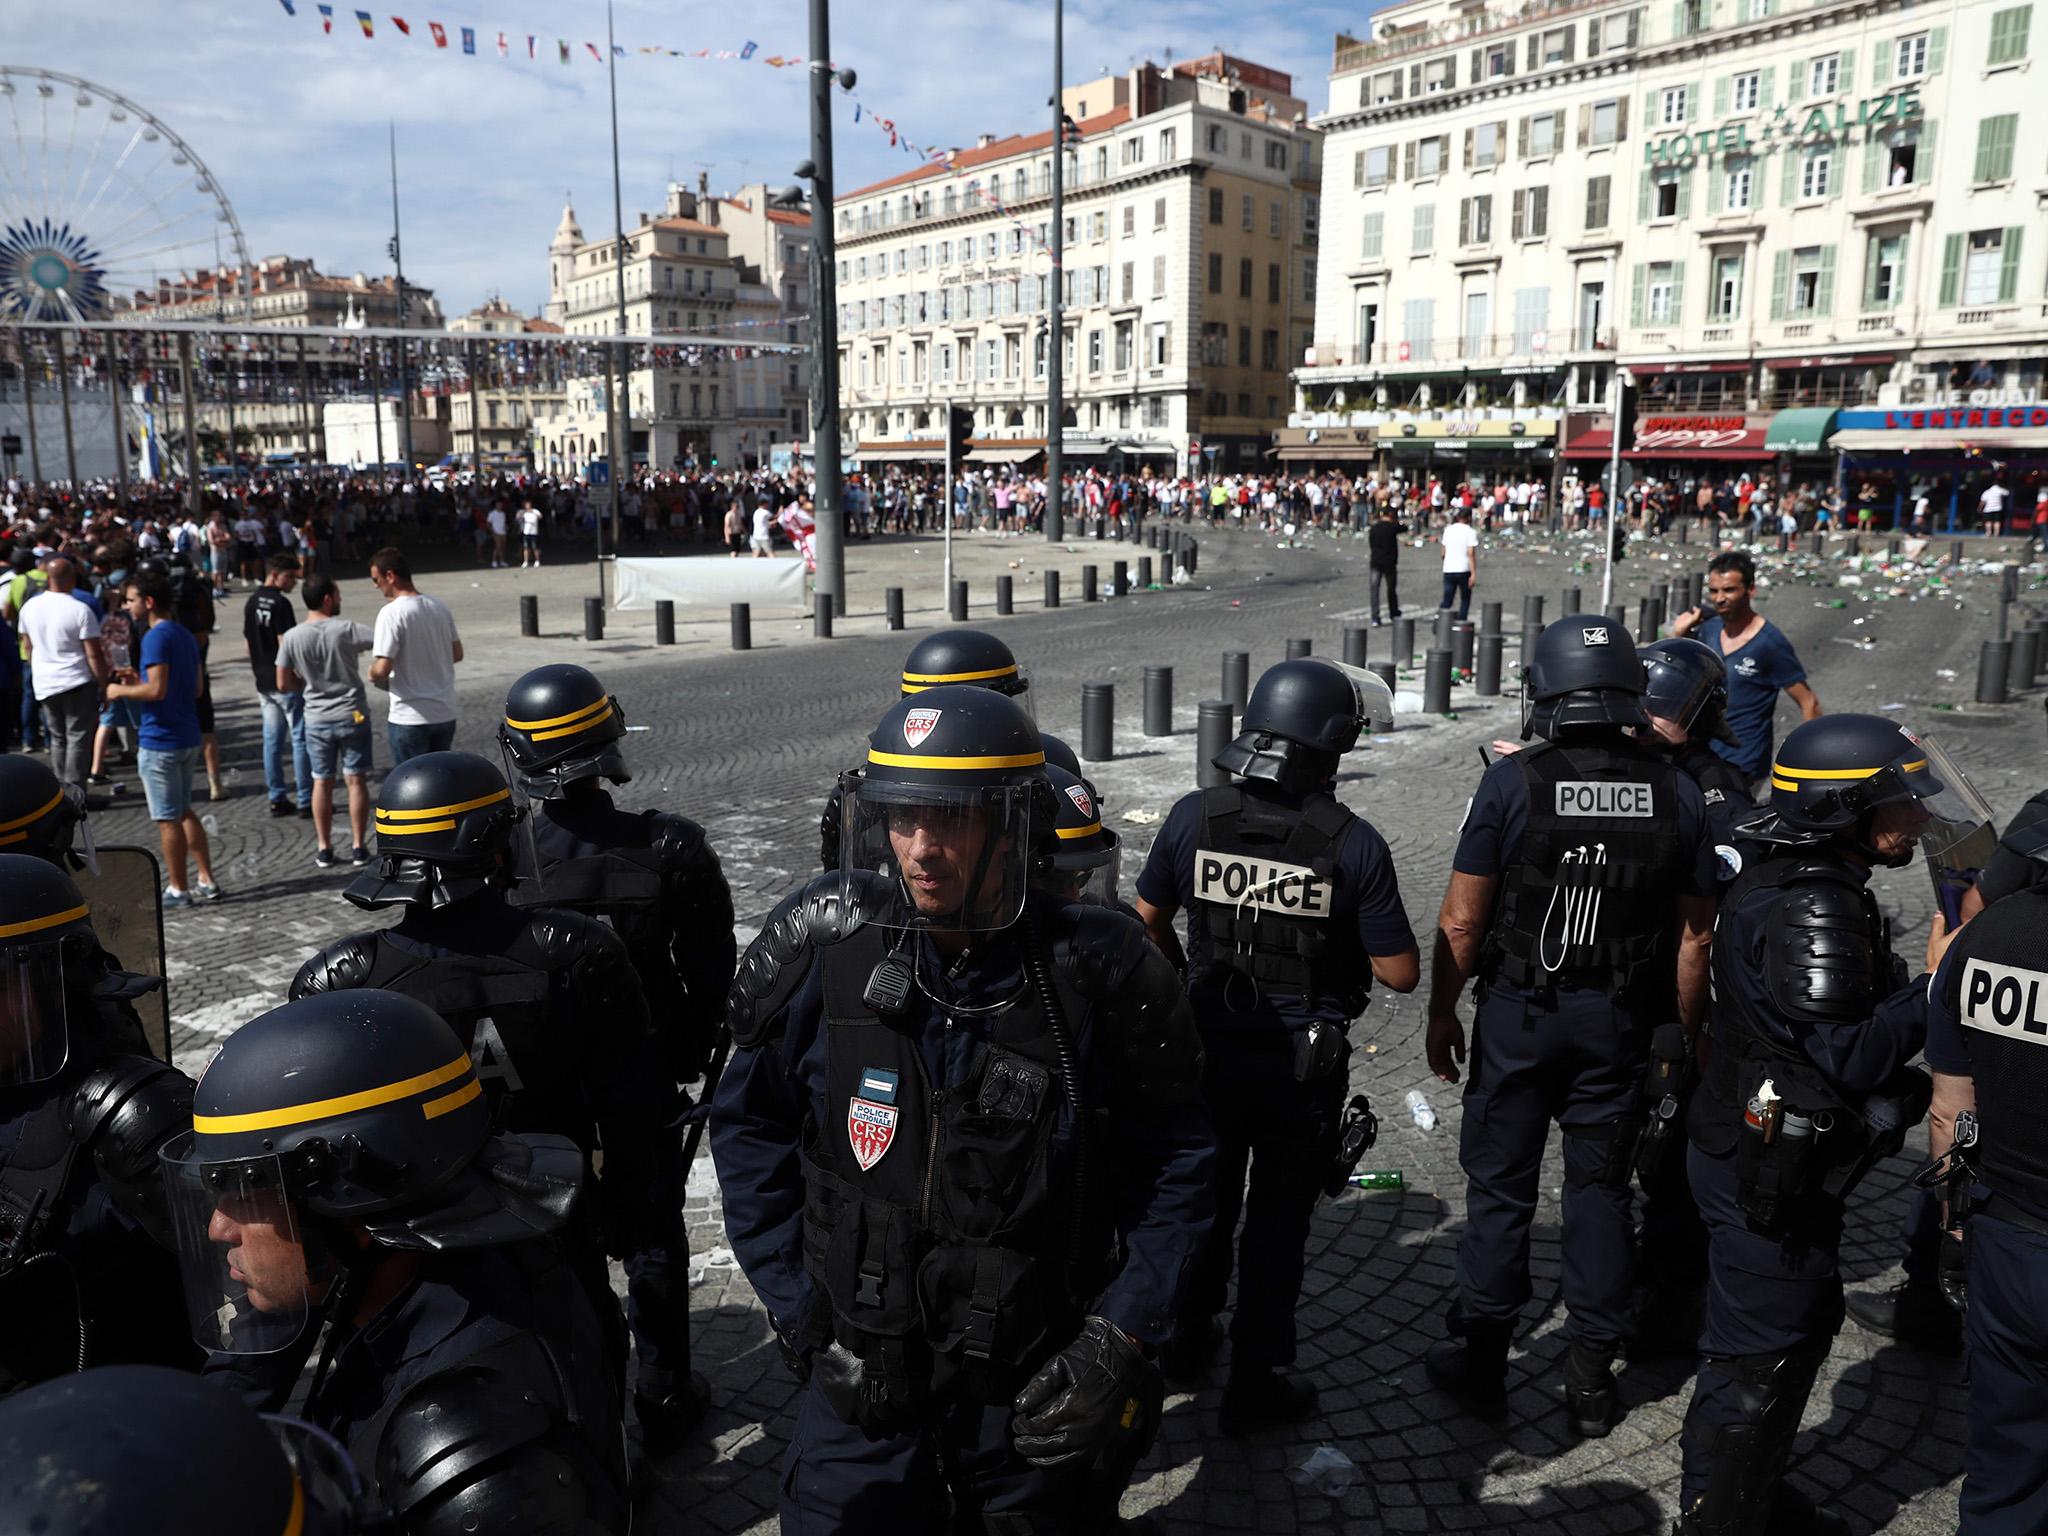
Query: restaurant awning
1599, 444
1802, 429
902, 453
1345, 452
1003, 453
1876, 440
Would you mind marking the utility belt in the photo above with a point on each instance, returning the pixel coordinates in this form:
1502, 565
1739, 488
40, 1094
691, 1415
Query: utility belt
1667, 1087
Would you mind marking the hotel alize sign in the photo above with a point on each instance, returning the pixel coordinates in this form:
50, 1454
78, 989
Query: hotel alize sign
1788, 128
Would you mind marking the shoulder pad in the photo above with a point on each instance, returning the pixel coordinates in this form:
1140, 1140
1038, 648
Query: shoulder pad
1096, 948
823, 913
123, 1111
340, 967
679, 840
1822, 950
477, 1449
563, 938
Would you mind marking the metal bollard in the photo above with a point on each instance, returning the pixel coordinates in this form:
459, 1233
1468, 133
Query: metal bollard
1532, 608
1152, 537
1120, 578
1570, 605
1617, 615
1855, 544
1818, 544
1159, 701
1052, 589
2040, 628
664, 621
1003, 595
1487, 684
1993, 662
892, 605
1384, 671
956, 603
1462, 637
1530, 632
1116, 530
1355, 645
2025, 659
1440, 636
1685, 530
742, 627
821, 616
1892, 547
1955, 552
529, 617
1237, 674
1436, 684
1649, 619
2009, 583
1187, 554
1098, 722
1296, 649
1088, 580
1662, 592
1213, 731
593, 618
1144, 572
1489, 618
1404, 642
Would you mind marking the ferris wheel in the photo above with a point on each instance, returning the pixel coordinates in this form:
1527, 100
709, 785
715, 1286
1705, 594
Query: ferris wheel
102, 205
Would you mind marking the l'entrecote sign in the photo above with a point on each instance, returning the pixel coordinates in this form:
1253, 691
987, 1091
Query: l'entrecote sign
1786, 127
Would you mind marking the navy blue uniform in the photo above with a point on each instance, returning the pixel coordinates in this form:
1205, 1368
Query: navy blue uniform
1274, 1128
776, 1121
1575, 1054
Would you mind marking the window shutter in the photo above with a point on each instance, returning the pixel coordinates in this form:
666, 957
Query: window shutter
1620, 119
1643, 200
1923, 162
1635, 303
1408, 161
1899, 274
1795, 78
1717, 187
1678, 18
1539, 212
1766, 80
1515, 217
2009, 265
1678, 293
1882, 54
1951, 269
1692, 102
1535, 57
1522, 139
1781, 280
1876, 154
1650, 113
1478, 65
1468, 149
1571, 39
1414, 79
1464, 221
2008, 141
1585, 122
1845, 73
1685, 193
1870, 248
1358, 169
1500, 141
1451, 72
1721, 96
1937, 49
1824, 294
1759, 185
1789, 189
1593, 38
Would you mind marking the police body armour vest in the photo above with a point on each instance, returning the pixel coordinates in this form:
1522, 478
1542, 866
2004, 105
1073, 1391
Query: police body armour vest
930, 1217
1265, 896
1588, 902
1998, 988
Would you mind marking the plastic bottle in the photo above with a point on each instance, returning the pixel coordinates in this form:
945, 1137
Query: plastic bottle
1418, 1106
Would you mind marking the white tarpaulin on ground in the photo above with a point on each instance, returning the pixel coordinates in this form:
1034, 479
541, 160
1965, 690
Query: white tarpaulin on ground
711, 581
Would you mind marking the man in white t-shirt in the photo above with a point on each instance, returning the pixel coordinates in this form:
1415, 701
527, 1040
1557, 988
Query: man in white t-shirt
529, 535
1991, 504
416, 652
67, 667
1461, 561
763, 543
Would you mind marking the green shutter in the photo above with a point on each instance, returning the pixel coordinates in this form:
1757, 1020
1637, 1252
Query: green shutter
1781, 278
1788, 186
1875, 156
1951, 269
2008, 141
1759, 183
1845, 74
2009, 30
1643, 200
1824, 296
1899, 273
1685, 193
1652, 118
1882, 54
1937, 49
1721, 96
1795, 82
1923, 162
1987, 143
1678, 19
1717, 187
2009, 265
1635, 303
1870, 244
1766, 79
1678, 293
1692, 104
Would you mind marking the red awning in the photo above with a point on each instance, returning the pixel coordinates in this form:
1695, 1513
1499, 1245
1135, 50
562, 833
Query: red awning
1832, 360
1647, 370
1726, 447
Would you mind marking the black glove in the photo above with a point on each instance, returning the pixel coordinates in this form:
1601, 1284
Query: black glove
1952, 1270
1084, 1400
856, 1394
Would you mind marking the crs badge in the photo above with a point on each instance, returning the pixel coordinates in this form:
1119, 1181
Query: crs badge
918, 723
1081, 801
871, 1113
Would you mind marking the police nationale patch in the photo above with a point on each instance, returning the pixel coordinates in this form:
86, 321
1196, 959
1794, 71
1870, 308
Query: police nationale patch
1233, 880
1593, 636
870, 1127
918, 723
1081, 801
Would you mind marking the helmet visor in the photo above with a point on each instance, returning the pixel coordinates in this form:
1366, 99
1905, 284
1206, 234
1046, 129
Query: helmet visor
1960, 833
1675, 694
1089, 877
327, 1474
241, 1253
1375, 698
953, 859
34, 1036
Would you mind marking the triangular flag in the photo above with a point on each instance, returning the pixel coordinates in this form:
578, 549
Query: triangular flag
594, 53
529, 45
363, 17
856, 111
749, 51
402, 24
440, 34
501, 45
289, 8
469, 39
563, 44
618, 52
327, 19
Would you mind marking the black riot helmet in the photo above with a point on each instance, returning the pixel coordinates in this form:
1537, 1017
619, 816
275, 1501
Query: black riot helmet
971, 656
1832, 774
1686, 682
950, 812
144, 1448
38, 815
561, 726
357, 1108
1302, 716
444, 822
1583, 674
1086, 855
46, 944
1059, 755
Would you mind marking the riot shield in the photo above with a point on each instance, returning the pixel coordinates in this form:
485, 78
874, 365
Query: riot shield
127, 914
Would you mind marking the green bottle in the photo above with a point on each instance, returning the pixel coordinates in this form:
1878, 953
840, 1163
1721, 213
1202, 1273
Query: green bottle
1378, 1178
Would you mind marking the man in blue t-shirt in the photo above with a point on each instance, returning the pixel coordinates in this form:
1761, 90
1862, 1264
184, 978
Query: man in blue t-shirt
1760, 660
164, 685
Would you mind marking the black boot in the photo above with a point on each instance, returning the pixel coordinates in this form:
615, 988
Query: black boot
1589, 1396
1746, 1460
1259, 1399
1913, 1312
1185, 1362
666, 1419
1474, 1368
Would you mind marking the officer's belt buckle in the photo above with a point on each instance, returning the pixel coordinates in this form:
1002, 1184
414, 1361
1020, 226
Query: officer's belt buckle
978, 1340
870, 1292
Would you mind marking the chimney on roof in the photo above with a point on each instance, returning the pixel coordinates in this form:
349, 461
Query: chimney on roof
983, 140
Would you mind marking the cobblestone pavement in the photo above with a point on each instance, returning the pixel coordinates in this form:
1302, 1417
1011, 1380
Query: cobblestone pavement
748, 743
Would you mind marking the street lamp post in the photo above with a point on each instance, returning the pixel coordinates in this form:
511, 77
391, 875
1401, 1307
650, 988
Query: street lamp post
825, 451
404, 374
1056, 337
620, 417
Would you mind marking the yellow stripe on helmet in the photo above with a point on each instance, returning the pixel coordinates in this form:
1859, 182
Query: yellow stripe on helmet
425, 826
444, 810
573, 715
917, 682
571, 730
1844, 773
1090, 830
38, 924
342, 1104
915, 760
35, 815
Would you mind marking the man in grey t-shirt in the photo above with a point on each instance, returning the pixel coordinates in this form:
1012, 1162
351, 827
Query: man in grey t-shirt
318, 657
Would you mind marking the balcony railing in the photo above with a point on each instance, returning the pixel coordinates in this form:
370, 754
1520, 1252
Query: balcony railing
1460, 32
1530, 346
2002, 318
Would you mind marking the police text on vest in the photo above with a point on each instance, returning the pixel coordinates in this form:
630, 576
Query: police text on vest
1233, 880
1579, 797
2006, 1001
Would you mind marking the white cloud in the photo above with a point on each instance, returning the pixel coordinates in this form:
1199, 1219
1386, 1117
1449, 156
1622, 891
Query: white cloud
293, 123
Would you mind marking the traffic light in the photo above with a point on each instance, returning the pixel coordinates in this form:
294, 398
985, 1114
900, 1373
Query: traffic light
959, 430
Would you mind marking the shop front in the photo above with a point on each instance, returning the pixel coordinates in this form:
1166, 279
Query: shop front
1306, 450
1683, 450
1480, 450
1952, 450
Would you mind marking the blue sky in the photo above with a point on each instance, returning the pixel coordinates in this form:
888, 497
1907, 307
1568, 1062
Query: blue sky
292, 122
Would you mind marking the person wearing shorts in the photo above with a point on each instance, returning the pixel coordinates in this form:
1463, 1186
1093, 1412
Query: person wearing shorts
164, 686
319, 659
529, 535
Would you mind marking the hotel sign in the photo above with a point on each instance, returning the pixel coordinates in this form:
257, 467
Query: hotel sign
1788, 128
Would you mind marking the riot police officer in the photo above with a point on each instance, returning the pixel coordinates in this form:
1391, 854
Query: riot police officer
1293, 910
962, 1147
142, 1448
1581, 900
1984, 1016
341, 1173
546, 1001
1807, 1088
1087, 857
83, 1109
38, 815
654, 878
1685, 694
